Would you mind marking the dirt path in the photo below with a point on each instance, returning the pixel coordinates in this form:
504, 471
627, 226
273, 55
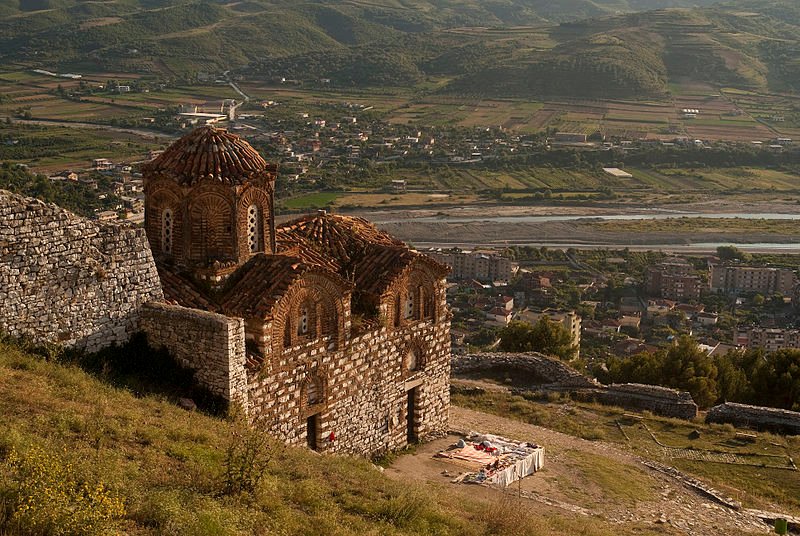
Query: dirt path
588, 478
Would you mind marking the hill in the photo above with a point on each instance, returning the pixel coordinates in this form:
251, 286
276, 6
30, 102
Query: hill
503, 48
82, 453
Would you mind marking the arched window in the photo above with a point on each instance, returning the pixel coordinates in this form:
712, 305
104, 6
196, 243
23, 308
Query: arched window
166, 231
302, 320
253, 229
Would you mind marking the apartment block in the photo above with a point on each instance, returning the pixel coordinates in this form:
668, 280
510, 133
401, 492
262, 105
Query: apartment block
752, 279
483, 266
673, 281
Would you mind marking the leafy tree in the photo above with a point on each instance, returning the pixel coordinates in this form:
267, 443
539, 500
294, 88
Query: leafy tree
545, 336
730, 253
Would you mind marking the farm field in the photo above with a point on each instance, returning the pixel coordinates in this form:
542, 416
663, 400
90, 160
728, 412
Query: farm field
56, 148
728, 114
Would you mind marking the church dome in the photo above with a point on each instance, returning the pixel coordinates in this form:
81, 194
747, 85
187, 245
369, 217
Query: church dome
209, 152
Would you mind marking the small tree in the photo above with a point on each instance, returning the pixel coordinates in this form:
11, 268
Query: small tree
545, 336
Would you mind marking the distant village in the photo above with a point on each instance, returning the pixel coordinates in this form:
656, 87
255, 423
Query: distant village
725, 305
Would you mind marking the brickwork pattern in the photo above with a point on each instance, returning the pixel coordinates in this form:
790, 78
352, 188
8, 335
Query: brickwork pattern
69, 280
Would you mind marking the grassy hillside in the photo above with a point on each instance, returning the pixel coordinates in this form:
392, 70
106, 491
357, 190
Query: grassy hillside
85, 454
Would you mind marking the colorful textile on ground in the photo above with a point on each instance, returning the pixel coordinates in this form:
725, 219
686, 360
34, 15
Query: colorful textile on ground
500, 463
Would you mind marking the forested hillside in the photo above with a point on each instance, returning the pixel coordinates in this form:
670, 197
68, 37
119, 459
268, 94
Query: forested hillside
504, 48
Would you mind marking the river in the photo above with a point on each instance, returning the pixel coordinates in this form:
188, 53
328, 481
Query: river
376, 218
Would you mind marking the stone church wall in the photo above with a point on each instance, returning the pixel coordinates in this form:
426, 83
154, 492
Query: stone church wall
210, 344
68, 280
365, 389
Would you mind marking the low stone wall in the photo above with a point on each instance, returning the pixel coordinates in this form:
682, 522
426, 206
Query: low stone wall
68, 280
210, 344
555, 373
659, 400
761, 418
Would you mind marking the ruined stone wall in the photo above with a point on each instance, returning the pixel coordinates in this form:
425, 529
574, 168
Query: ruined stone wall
659, 400
365, 390
555, 373
210, 344
68, 280
761, 418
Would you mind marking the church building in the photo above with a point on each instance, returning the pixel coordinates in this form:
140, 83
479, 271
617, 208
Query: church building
346, 328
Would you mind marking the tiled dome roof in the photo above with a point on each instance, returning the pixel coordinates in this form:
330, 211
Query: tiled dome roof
208, 152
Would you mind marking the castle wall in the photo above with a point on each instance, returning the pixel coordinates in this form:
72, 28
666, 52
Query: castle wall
365, 390
68, 280
210, 344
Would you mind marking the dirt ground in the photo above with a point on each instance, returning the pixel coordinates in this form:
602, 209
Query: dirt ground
579, 477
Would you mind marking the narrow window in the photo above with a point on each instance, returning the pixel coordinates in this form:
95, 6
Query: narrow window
412, 362
313, 394
253, 228
409, 305
166, 231
302, 324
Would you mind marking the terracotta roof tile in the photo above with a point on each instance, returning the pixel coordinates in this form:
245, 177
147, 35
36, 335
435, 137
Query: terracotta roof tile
341, 237
294, 245
209, 152
260, 283
181, 290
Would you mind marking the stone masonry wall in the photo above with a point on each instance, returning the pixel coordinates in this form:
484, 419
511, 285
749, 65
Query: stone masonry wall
774, 419
68, 280
659, 400
364, 388
210, 344
554, 372
557, 375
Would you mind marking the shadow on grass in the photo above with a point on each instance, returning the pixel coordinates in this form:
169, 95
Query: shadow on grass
137, 367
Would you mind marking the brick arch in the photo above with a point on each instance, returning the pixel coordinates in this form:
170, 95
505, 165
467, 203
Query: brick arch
262, 199
212, 235
326, 297
419, 283
313, 391
162, 195
413, 357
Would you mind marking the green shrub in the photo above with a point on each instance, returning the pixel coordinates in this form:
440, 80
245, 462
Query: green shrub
48, 498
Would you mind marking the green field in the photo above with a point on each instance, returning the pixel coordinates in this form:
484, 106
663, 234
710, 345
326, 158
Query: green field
311, 201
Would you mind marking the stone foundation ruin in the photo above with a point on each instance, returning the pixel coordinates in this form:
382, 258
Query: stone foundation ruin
759, 418
551, 374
